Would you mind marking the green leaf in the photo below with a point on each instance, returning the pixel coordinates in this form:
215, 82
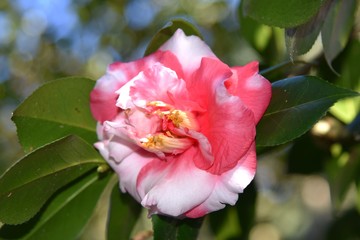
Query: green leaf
257, 34
347, 109
300, 39
56, 109
66, 215
281, 13
168, 30
124, 211
30, 182
297, 104
337, 27
171, 228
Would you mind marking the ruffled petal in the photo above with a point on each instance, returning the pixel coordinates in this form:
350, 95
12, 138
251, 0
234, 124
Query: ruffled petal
168, 187
228, 186
188, 49
202, 84
228, 123
103, 97
158, 83
129, 169
251, 87
231, 132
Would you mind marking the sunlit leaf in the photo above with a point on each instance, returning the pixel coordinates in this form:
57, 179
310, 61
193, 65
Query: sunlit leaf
33, 179
66, 214
257, 34
297, 104
300, 39
172, 228
347, 109
124, 211
168, 30
281, 13
56, 109
337, 27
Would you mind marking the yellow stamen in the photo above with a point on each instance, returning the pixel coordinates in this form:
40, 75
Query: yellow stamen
154, 141
166, 143
175, 117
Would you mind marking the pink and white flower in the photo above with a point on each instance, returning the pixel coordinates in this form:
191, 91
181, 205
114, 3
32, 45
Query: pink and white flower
178, 127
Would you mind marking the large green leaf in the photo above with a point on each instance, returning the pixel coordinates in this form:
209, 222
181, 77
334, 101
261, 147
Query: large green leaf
297, 104
337, 28
56, 109
124, 211
171, 228
168, 30
281, 13
66, 215
33, 179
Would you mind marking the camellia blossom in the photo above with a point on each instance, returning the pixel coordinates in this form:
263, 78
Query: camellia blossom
178, 127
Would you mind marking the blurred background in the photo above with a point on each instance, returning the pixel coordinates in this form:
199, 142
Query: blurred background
306, 189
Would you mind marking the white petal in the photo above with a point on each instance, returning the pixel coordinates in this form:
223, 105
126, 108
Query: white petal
128, 170
188, 49
175, 187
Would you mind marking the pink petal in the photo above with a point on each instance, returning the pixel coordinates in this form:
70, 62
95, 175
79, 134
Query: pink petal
103, 96
188, 49
228, 186
203, 82
158, 83
228, 124
175, 186
251, 87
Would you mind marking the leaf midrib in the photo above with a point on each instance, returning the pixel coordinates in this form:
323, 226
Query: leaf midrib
13, 189
337, 97
61, 206
55, 122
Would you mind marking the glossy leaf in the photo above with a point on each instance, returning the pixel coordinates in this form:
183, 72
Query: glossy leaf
300, 39
297, 104
281, 13
30, 182
124, 211
347, 109
67, 214
56, 109
171, 228
168, 30
337, 28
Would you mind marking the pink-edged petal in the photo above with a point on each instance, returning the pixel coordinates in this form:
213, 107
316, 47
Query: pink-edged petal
188, 49
128, 170
228, 186
128, 70
251, 87
175, 186
158, 83
103, 97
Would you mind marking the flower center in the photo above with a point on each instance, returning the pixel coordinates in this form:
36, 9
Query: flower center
173, 124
